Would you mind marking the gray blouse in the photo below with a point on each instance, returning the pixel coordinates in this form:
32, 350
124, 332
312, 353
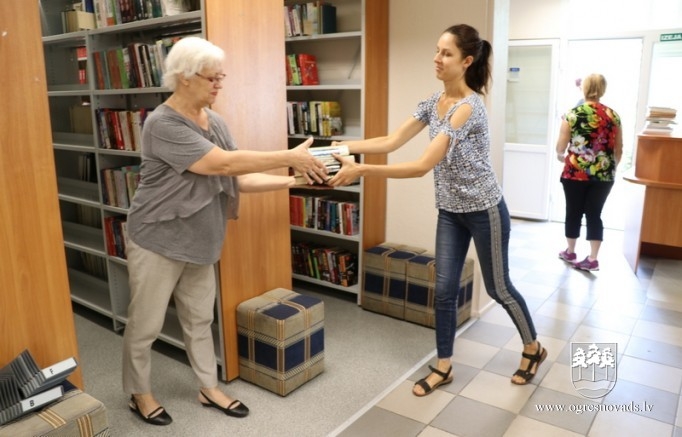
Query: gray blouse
177, 213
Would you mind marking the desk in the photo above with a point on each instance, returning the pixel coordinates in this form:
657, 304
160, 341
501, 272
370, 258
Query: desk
653, 224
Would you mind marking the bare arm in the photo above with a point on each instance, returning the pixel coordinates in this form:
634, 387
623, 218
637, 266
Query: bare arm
562, 141
388, 143
241, 162
260, 182
434, 153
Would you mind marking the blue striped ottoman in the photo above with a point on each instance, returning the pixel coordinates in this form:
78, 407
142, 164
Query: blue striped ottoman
421, 281
384, 278
280, 337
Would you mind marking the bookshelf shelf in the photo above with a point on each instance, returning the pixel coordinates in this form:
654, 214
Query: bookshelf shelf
344, 61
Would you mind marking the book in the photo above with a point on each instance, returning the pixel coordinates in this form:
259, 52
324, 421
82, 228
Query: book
307, 65
325, 154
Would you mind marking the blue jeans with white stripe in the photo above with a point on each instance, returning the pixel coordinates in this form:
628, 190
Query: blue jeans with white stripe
490, 231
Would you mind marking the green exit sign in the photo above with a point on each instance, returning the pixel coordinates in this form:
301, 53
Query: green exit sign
671, 37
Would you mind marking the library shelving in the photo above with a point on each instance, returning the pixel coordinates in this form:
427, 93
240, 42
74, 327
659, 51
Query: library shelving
351, 63
77, 95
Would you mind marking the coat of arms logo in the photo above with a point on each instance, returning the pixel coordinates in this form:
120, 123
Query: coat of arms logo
593, 368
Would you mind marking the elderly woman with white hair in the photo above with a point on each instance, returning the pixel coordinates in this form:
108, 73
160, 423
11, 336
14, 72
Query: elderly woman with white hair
191, 177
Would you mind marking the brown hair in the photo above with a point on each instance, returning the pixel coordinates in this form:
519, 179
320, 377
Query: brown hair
477, 76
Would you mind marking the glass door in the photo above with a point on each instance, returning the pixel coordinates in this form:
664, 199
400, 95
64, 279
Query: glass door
531, 96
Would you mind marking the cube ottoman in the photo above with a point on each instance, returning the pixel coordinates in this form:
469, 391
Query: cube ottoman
419, 295
75, 414
384, 278
280, 336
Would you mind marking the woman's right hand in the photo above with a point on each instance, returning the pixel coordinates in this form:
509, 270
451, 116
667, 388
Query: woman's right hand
304, 163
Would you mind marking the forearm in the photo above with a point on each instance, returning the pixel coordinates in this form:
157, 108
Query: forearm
260, 182
242, 162
401, 170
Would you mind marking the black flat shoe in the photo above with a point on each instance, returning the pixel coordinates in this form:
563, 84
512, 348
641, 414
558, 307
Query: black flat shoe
235, 409
163, 418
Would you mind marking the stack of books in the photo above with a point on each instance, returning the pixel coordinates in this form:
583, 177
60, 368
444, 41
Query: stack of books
25, 387
660, 121
325, 154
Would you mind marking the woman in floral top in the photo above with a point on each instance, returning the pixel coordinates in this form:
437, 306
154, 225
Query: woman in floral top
592, 135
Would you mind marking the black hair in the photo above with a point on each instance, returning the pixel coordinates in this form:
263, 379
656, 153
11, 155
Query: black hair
478, 75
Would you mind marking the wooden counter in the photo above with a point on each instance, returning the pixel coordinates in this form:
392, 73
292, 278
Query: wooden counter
653, 224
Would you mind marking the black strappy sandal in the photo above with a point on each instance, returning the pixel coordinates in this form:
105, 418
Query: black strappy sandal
447, 379
534, 363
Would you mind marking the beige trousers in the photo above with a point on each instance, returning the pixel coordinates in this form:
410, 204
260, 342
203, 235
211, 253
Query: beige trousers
153, 279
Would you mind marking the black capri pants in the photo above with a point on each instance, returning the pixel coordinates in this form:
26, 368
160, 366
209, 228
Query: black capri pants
585, 198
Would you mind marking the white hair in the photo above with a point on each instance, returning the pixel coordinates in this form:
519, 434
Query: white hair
189, 56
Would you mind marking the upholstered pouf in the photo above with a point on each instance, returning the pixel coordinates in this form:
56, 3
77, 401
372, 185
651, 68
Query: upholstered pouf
384, 278
421, 281
280, 340
75, 414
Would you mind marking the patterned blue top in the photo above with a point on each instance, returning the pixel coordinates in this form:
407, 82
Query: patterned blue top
464, 179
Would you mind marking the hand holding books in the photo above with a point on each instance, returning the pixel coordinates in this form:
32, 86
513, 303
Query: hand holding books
307, 165
332, 158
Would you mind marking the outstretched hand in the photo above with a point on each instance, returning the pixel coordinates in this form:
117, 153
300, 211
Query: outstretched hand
349, 173
306, 164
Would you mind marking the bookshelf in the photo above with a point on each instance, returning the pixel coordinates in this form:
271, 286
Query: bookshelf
352, 70
97, 276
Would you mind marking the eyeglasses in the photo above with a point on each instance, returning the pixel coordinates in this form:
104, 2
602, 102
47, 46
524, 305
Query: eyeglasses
217, 79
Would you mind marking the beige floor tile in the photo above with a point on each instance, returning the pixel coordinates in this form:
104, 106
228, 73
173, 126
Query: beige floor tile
656, 331
610, 424
422, 409
559, 379
526, 427
650, 374
553, 345
430, 431
498, 391
561, 311
472, 353
498, 316
590, 334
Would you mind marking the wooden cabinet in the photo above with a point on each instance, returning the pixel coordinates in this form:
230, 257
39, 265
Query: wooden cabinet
35, 309
653, 223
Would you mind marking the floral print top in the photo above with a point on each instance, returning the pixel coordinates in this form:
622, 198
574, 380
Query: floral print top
464, 179
591, 148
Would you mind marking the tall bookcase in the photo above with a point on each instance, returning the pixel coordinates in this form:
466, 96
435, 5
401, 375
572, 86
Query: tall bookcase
352, 68
259, 237
98, 279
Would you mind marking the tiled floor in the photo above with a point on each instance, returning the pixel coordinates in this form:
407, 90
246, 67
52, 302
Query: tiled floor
641, 313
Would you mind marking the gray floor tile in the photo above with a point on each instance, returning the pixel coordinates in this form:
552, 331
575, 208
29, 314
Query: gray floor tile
506, 362
662, 315
468, 418
646, 401
658, 352
567, 417
489, 333
610, 321
552, 327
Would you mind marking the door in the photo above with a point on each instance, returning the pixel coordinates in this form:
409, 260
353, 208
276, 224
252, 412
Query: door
531, 96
